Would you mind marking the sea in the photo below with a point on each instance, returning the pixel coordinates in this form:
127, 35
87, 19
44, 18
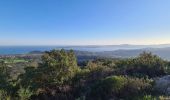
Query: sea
7, 50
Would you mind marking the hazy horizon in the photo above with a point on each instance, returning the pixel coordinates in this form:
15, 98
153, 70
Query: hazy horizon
168, 44
84, 22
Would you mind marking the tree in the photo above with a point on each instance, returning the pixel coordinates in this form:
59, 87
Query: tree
5, 86
60, 66
56, 70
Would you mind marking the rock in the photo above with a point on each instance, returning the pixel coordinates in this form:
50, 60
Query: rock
163, 84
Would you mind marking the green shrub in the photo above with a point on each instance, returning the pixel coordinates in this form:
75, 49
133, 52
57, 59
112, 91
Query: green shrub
4, 95
146, 65
25, 93
115, 87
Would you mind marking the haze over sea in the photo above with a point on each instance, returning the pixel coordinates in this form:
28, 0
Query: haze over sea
4, 50
26, 49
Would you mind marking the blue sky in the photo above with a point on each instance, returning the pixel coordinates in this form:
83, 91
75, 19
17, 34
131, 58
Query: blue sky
84, 22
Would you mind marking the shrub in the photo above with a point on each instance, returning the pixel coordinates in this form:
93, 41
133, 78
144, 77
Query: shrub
146, 65
115, 87
4, 95
25, 93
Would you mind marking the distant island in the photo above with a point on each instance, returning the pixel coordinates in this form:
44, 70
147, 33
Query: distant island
108, 51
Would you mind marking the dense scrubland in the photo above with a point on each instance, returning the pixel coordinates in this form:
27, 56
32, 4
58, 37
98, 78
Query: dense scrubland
58, 76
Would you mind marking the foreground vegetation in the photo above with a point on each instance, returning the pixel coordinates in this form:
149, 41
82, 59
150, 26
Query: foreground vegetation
58, 77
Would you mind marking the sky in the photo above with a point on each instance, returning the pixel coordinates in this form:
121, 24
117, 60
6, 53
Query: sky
84, 22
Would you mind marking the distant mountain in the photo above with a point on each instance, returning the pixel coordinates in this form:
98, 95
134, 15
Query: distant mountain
162, 52
91, 48
126, 53
36, 52
94, 51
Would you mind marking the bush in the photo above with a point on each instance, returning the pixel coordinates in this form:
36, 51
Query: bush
4, 95
25, 94
146, 65
115, 87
